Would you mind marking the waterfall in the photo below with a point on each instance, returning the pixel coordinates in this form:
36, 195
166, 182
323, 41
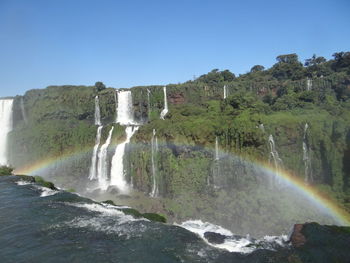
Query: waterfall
117, 168
148, 104
116, 106
97, 112
306, 156
5, 127
24, 115
102, 165
125, 111
165, 110
308, 84
125, 117
225, 92
274, 154
92, 172
216, 149
154, 145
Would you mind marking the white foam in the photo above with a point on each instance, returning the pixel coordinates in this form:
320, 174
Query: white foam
233, 243
46, 191
23, 183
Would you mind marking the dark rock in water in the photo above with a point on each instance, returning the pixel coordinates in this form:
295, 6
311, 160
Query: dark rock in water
40, 181
132, 212
109, 202
154, 217
26, 178
214, 238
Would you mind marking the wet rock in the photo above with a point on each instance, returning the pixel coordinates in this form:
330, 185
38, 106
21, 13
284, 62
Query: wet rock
214, 238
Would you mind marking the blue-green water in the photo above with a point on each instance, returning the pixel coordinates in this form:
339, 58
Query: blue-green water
41, 225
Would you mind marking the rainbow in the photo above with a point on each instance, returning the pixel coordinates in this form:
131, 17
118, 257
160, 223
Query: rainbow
322, 201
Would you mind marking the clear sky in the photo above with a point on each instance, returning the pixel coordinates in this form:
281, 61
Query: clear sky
128, 43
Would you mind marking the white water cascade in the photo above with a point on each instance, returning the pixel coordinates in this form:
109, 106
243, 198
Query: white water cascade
102, 165
117, 169
306, 156
277, 161
97, 112
92, 173
5, 127
125, 117
116, 106
154, 145
24, 115
165, 110
216, 149
149, 104
125, 111
308, 84
225, 92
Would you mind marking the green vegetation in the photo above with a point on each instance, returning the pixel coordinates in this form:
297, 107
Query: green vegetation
5, 170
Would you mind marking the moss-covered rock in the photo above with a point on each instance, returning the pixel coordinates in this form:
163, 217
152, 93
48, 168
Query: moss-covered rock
40, 181
154, 217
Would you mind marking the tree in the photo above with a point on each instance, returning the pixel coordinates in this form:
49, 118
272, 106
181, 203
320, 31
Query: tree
314, 61
316, 66
341, 61
6, 170
257, 68
288, 58
288, 67
100, 86
228, 75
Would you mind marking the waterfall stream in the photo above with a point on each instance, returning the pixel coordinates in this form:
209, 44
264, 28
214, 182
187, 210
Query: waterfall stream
154, 145
126, 118
225, 92
92, 172
97, 112
102, 165
165, 110
274, 156
5, 127
307, 156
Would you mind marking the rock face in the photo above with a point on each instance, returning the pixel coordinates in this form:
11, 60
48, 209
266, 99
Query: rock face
316, 243
214, 238
177, 98
297, 238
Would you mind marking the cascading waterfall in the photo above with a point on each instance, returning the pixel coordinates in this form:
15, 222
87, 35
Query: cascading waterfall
262, 127
306, 156
165, 110
216, 149
102, 165
308, 84
92, 172
117, 168
24, 115
97, 112
5, 127
225, 92
125, 117
116, 106
274, 154
148, 104
125, 111
154, 145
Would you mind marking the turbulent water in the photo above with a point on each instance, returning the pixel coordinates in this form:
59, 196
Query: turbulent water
41, 225
5, 127
102, 165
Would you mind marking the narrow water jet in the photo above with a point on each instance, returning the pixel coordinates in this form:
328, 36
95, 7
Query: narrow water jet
93, 171
154, 145
165, 110
97, 112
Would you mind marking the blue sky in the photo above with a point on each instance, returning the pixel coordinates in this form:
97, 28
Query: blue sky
128, 43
